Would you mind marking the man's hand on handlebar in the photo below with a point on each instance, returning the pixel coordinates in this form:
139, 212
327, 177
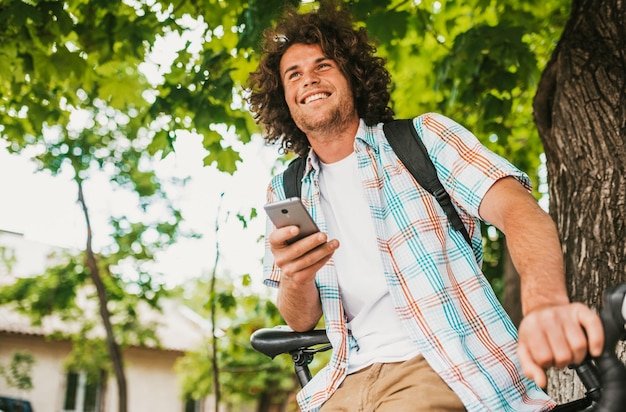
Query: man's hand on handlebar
558, 336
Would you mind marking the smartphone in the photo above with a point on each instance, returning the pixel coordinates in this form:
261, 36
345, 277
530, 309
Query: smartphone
290, 212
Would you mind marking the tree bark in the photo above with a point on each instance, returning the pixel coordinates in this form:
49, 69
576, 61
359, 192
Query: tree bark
580, 113
512, 300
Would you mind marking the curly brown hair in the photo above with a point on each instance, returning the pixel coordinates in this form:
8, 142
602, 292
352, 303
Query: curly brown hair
333, 29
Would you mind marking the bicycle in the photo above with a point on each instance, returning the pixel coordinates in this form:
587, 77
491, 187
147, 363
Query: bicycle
604, 377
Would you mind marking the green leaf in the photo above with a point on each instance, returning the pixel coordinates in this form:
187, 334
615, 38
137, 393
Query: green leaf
224, 158
387, 26
211, 139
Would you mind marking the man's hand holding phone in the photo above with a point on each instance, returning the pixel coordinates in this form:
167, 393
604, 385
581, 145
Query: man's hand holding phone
292, 244
299, 250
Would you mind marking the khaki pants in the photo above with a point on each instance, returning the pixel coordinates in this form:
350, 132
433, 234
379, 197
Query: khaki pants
408, 386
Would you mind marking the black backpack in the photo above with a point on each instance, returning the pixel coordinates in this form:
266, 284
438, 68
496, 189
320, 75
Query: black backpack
411, 151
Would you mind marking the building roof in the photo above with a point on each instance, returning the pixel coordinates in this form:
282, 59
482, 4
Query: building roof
178, 327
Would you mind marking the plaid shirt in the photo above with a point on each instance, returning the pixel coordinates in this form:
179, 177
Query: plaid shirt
434, 277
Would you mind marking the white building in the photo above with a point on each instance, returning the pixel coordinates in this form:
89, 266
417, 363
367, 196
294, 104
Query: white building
152, 384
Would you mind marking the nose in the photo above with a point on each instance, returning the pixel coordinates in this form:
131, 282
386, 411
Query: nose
311, 78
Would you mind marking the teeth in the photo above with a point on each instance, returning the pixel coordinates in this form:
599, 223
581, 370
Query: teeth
315, 97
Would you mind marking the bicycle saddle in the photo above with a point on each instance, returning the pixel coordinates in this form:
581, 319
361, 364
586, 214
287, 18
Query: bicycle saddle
282, 339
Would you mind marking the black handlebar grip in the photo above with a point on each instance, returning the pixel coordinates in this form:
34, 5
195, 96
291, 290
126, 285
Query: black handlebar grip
612, 371
590, 377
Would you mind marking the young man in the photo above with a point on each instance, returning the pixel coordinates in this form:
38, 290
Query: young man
413, 323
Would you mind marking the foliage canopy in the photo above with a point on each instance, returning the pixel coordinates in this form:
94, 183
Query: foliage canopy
477, 61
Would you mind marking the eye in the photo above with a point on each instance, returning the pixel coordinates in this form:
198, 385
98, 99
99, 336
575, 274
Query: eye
294, 75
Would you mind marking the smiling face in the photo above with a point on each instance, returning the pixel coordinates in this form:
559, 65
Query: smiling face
319, 96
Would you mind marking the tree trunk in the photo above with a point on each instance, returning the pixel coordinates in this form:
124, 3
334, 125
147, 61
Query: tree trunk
102, 405
512, 300
213, 311
580, 113
114, 350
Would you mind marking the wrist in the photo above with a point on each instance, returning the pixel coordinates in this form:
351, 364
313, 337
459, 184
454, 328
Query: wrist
540, 304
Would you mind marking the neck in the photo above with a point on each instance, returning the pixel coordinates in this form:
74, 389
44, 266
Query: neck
333, 145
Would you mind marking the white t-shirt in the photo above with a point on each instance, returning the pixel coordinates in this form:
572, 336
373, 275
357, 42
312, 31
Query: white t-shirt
364, 293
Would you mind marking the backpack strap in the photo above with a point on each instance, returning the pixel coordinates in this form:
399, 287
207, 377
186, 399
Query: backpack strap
413, 154
292, 177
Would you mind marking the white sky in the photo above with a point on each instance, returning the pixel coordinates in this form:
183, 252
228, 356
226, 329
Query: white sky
44, 208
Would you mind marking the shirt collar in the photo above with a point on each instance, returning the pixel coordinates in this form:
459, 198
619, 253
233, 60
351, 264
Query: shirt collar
365, 134
369, 135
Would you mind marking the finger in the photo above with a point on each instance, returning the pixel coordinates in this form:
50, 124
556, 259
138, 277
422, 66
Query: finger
577, 342
594, 330
279, 237
575, 332
535, 340
301, 258
285, 253
320, 260
530, 369
559, 342
303, 253
317, 256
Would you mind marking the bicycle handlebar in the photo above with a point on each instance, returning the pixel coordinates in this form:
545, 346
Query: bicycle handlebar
611, 370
